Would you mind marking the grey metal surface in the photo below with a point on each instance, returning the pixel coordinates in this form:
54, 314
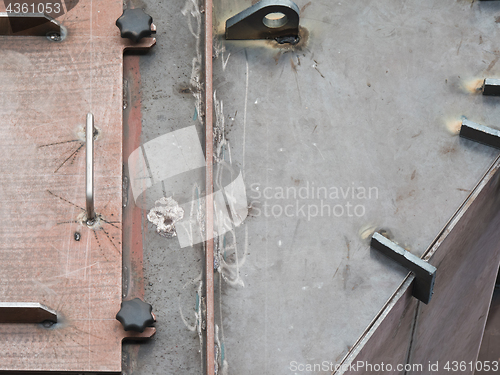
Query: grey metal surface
363, 102
172, 275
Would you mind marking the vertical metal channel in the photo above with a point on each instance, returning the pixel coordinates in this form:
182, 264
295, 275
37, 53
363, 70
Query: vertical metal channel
209, 249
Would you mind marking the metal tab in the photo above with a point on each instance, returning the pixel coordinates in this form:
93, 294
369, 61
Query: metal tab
268, 19
30, 24
480, 133
26, 312
491, 87
425, 273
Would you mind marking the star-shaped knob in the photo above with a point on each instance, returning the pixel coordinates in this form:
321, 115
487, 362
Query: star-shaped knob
134, 24
135, 315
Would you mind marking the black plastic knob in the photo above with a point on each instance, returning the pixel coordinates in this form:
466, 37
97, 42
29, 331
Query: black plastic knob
134, 24
135, 315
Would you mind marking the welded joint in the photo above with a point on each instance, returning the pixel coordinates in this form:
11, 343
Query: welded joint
425, 273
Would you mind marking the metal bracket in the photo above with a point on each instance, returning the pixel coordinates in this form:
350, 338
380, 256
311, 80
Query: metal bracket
26, 312
31, 24
268, 19
480, 133
425, 273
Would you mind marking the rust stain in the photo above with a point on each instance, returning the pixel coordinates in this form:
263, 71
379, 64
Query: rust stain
448, 150
493, 63
292, 64
305, 7
348, 247
417, 135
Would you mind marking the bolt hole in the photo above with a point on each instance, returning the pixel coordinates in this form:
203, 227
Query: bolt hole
275, 20
77, 236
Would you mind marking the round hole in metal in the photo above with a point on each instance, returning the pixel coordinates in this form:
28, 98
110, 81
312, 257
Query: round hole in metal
275, 20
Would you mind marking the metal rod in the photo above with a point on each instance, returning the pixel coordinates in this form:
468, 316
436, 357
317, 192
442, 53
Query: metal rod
89, 171
209, 264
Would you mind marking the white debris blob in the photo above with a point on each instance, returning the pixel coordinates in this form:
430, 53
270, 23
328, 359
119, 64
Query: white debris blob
164, 215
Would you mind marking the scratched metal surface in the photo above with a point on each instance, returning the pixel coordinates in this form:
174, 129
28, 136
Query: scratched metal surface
369, 101
46, 90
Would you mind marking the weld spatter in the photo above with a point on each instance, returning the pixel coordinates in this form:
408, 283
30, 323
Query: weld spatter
164, 216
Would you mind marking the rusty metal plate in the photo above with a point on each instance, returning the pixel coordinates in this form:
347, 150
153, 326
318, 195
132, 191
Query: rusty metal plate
47, 254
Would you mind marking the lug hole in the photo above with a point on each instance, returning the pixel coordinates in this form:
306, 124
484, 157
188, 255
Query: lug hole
275, 20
